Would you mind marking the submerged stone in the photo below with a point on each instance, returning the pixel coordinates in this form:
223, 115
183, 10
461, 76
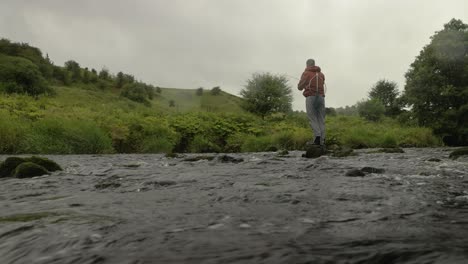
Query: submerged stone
107, 185
314, 151
198, 158
391, 150
372, 170
434, 160
355, 173
163, 183
29, 170
458, 153
7, 168
226, 159
48, 164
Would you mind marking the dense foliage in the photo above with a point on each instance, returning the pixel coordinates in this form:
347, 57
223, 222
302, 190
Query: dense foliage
19, 75
372, 110
437, 83
387, 93
265, 94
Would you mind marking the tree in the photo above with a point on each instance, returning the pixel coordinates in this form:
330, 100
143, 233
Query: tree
19, 75
104, 74
387, 93
74, 68
136, 92
437, 83
171, 103
123, 79
215, 90
265, 94
199, 91
372, 110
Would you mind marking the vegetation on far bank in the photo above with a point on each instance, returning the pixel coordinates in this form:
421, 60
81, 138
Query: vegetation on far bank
85, 121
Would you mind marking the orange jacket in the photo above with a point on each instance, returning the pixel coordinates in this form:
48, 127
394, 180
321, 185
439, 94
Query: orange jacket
311, 77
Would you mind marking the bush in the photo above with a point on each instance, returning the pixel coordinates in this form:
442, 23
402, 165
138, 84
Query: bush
257, 144
20, 76
202, 144
372, 110
137, 92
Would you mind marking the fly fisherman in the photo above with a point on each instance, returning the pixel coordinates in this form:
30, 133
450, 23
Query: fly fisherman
312, 84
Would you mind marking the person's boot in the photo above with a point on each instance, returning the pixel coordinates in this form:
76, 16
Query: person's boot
317, 141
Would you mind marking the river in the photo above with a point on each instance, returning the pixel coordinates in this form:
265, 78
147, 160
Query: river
241, 208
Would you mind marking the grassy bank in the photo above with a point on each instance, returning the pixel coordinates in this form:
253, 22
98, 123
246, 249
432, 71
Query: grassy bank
94, 121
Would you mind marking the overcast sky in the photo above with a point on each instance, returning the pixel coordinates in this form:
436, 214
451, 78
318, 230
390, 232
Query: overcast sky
206, 43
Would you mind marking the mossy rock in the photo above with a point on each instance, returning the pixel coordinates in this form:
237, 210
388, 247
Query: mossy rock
314, 151
46, 163
7, 168
458, 153
28, 170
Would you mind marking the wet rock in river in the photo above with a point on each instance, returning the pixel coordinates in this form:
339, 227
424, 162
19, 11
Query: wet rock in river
7, 168
172, 155
314, 151
227, 159
107, 184
355, 173
372, 170
36, 166
458, 153
48, 164
391, 150
434, 160
29, 170
198, 158
161, 183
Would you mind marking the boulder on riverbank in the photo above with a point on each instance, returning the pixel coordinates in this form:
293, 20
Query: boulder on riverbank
458, 153
34, 166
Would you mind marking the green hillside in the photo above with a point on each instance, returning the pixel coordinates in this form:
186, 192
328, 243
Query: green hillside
187, 100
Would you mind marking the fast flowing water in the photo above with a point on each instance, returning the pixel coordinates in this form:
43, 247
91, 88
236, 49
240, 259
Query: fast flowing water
265, 209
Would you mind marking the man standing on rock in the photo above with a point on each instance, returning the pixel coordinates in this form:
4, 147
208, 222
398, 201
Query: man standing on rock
312, 84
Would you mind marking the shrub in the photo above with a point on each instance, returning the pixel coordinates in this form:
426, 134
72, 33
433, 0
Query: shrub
202, 144
257, 144
21, 76
372, 110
